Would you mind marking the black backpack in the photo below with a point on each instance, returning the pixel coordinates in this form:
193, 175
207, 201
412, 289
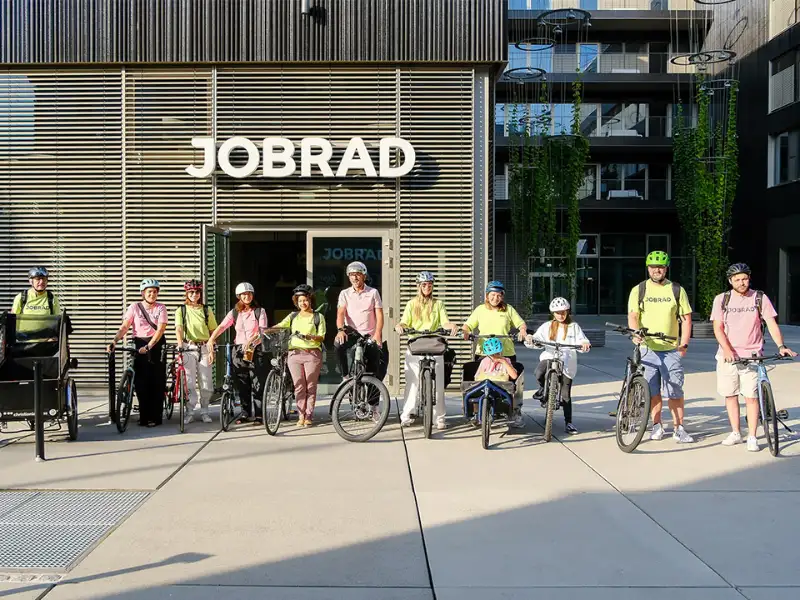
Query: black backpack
257, 311
676, 292
316, 320
726, 299
50, 301
205, 314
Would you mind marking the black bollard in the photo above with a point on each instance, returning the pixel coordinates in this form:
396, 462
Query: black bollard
112, 385
38, 423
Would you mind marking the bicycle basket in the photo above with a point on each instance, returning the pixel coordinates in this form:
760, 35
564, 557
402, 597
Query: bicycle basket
428, 345
277, 341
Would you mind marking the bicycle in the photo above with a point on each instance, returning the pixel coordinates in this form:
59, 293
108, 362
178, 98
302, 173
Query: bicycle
279, 386
125, 391
633, 407
362, 397
177, 386
552, 383
228, 401
428, 345
767, 413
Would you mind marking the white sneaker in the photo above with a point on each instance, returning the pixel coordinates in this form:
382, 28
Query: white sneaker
188, 419
518, 421
657, 432
680, 435
206, 418
752, 444
406, 422
734, 437
441, 425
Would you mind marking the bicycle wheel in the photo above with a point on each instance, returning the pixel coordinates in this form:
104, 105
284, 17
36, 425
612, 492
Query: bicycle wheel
124, 402
633, 413
226, 411
182, 398
553, 386
486, 422
272, 403
770, 419
426, 391
169, 396
71, 407
360, 408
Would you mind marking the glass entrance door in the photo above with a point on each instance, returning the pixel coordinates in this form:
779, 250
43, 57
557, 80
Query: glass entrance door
545, 286
216, 277
327, 256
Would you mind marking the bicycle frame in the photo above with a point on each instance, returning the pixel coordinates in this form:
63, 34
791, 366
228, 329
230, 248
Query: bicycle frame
764, 378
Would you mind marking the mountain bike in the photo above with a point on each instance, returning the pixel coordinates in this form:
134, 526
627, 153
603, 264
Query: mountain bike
125, 391
767, 413
633, 408
229, 401
278, 387
360, 405
552, 382
428, 345
177, 391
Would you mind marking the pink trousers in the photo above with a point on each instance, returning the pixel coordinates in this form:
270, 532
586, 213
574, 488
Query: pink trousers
305, 366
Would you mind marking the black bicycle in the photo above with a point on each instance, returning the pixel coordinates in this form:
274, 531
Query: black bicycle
228, 401
125, 391
360, 405
428, 345
278, 387
551, 397
633, 408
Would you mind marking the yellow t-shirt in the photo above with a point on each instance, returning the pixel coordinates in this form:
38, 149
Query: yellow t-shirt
660, 313
495, 322
304, 323
36, 305
428, 321
195, 330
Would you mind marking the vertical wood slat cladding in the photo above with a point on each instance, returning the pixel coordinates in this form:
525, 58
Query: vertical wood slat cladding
212, 31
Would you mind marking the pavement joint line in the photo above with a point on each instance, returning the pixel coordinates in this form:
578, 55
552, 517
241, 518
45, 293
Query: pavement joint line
45, 592
301, 587
644, 512
188, 460
416, 505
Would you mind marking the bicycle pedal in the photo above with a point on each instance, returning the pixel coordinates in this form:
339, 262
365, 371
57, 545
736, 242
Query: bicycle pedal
783, 414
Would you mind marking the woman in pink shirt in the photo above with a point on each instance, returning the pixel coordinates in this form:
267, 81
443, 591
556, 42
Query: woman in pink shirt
250, 322
147, 321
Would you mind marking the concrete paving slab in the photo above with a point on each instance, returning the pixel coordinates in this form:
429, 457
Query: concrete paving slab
749, 538
587, 593
23, 591
770, 593
508, 518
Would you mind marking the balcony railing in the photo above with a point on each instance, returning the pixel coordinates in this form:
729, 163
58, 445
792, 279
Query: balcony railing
603, 4
654, 190
587, 61
616, 126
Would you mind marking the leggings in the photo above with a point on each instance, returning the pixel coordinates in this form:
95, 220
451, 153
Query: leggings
150, 381
566, 388
305, 365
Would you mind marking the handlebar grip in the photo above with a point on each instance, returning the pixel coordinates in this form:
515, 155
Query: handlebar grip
611, 325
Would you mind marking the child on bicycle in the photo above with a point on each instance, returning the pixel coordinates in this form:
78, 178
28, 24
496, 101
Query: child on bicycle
494, 366
561, 328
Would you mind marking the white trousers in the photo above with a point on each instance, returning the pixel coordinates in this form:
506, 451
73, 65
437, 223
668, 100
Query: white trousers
198, 372
412, 387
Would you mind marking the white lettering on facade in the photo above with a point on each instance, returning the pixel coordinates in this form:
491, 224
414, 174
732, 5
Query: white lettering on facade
349, 254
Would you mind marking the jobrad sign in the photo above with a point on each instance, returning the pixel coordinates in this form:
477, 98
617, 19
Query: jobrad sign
277, 157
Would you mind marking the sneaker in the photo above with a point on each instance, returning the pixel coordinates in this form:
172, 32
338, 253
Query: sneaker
189, 418
571, 429
752, 444
680, 435
538, 394
308, 423
206, 418
734, 437
657, 432
406, 422
301, 421
441, 425
517, 421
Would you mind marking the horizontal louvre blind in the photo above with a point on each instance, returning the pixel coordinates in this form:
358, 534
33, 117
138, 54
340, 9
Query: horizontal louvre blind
782, 88
436, 207
334, 104
60, 189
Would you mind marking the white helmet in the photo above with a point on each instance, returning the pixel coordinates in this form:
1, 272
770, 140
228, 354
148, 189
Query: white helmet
559, 303
149, 283
357, 267
244, 287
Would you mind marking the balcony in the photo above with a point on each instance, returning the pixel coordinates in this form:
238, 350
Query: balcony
587, 59
602, 4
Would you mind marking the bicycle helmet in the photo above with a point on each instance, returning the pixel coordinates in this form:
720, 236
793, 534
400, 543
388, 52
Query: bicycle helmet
495, 286
37, 272
492, 346
302, 290
149, 283
559, 304
425, 277
737, 268
357, 267
657, 258
244, 287
193, 285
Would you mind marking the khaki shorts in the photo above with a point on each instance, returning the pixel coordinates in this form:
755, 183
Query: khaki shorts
733, 380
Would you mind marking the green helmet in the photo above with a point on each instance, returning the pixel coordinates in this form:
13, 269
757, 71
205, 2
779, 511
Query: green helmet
658, 258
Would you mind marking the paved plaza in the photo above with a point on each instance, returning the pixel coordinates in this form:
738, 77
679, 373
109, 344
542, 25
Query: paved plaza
308, 516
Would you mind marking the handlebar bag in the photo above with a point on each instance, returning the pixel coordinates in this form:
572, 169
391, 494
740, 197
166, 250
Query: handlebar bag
428, 345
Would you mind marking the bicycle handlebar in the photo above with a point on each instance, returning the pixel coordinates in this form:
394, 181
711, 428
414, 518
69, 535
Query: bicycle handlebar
360, 336
472, 336
641, 332
557, 345
754, 359
428, 333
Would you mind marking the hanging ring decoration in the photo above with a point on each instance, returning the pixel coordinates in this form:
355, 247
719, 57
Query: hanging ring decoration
735, 34
562, 18
717, 85
713, 2
536, 44
701, 59
525, 74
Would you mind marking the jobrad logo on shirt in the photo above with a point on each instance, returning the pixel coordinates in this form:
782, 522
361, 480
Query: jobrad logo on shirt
741, 309
653, 299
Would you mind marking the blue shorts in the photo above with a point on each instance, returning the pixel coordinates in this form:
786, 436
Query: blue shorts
664, 373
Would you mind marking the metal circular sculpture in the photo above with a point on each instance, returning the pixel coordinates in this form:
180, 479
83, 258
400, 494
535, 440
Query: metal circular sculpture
735, 33
717, 85
536, 44
713, 2
562, 18
701, 59
525, 74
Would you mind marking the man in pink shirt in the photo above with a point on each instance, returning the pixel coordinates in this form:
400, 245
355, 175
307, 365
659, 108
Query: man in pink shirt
360, 308
737, 316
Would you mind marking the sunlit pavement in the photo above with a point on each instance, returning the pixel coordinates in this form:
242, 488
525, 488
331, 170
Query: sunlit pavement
306, 515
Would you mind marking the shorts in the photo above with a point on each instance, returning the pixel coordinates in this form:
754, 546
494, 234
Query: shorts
733, 380
664, 373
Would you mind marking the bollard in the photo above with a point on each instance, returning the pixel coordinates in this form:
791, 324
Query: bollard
112, 372
38, 424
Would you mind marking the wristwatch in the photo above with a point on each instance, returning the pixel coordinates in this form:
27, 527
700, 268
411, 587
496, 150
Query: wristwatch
782, 346
340, 329
685, 346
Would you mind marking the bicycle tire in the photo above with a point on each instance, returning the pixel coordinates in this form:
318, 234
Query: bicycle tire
124, 403
169, 396
770, 419
426, 391
552, 398
226, 411
356, 394
71, 408
486, 422
272, 403
182, 393
633, 410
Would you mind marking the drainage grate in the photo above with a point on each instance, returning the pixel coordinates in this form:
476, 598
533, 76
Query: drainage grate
52, 530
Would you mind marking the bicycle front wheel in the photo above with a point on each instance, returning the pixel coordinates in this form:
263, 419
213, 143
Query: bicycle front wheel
360, 408
486, 422
769, 418
633, 413
124, 402
426, 391
273, 403
169, 397
182, 398
226, 411
552, 399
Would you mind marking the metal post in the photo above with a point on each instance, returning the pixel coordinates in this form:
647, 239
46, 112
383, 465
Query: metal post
38, 424
112, 384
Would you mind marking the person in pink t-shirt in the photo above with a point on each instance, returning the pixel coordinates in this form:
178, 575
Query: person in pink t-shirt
737, 316
250, 321
147, 321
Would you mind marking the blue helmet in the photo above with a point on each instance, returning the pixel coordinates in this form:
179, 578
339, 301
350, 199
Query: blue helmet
495, 286
38, 272
492, 346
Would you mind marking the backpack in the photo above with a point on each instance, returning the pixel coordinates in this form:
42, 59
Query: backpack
316, 320
726, 298
676, 292
183, 314
50, 301
257, 311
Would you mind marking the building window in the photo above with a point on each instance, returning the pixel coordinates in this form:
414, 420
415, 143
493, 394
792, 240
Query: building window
529, 5
785, 157
784, 79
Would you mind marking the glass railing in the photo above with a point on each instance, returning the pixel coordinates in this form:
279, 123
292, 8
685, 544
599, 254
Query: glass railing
587, 61
603, 4
620, 126
654, 190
